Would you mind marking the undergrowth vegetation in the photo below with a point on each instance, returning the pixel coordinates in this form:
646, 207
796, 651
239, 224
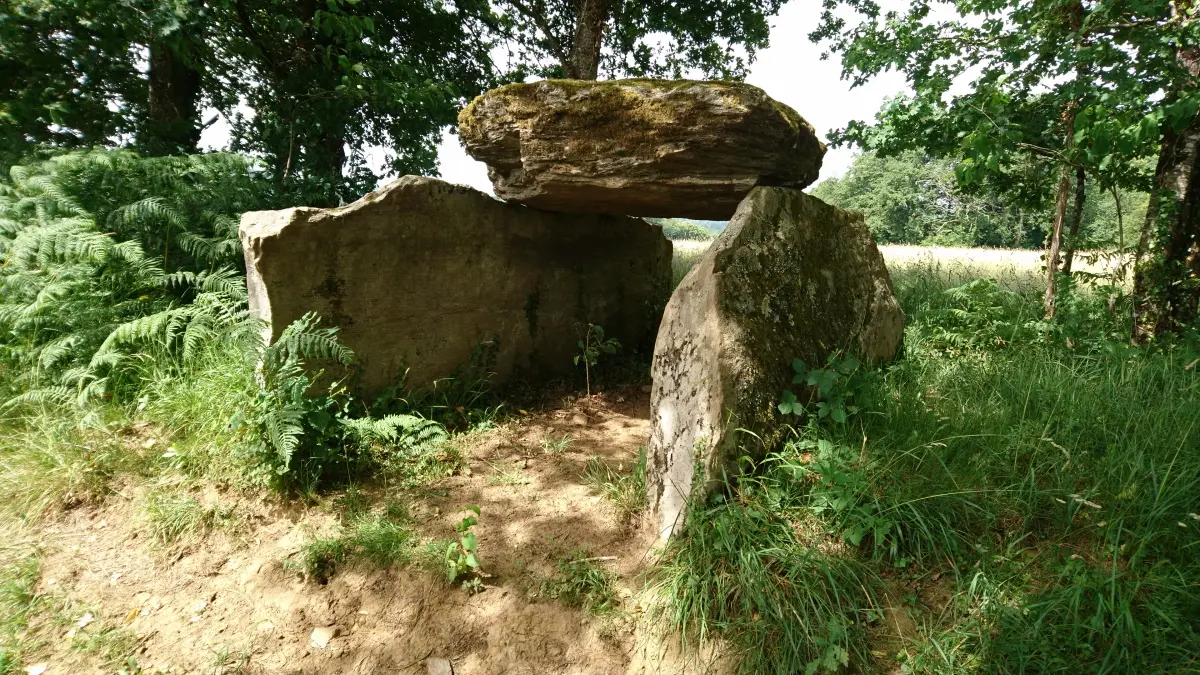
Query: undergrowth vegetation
1014, 495
381, 539
582, 581
1026, 495
123, 299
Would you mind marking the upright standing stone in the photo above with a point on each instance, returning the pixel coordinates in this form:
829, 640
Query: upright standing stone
638, 147
422, 276
791, 277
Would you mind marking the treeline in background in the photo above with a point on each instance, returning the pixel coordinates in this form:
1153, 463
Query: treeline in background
912, 198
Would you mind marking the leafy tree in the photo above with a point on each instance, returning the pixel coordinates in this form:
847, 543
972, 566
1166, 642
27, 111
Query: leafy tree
331, 78
678, 229
911, 198
653, 38
324, 79
1167, 288
66, 76
177, 37
1077, 88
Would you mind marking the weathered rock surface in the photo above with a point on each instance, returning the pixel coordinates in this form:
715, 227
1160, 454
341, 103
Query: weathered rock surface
427, 277
791, 277
638, 147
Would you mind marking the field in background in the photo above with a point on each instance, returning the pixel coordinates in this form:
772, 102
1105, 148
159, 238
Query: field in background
1014, 269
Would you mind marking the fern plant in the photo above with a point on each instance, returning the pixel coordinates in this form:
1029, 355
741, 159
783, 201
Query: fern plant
301, 440
116, 269
90, 241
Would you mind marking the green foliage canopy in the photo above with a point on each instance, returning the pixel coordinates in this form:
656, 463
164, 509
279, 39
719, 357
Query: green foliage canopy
322, 80
677, 229
330, 79
65, 76
912, 198
311, 85
654, 38
1027, 62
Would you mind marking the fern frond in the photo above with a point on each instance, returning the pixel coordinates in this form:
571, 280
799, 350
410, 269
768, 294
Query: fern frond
283, 427
303, 339
226, 281
56, 350
46, 395
148, 212
139, 330
406, 431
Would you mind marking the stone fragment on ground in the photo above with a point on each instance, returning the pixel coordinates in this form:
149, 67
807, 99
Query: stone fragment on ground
674, 148
427, 278
322, 635
791, 277
438, 666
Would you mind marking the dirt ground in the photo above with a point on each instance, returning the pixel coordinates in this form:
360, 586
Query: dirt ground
227, 603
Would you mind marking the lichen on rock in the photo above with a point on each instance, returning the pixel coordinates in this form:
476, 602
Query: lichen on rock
421, 276
791, 277
638, 147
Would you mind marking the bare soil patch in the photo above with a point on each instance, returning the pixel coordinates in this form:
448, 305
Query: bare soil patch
226, 602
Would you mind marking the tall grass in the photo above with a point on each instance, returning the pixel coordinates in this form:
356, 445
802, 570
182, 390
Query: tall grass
53, 456
686, 254
1050, 472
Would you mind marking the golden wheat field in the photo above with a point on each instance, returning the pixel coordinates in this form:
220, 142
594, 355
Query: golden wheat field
1016, 269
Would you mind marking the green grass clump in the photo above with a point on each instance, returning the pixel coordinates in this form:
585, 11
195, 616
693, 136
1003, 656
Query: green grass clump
741, 571
580, 581
1048, 471
18, 580
1068, 479
557, 445
174, 518
382, 540
625, 490
53, 456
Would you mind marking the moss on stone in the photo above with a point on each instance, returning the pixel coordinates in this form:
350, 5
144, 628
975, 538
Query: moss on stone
649, 147
613, 110
797, 278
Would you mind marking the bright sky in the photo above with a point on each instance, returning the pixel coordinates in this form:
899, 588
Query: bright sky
791, 71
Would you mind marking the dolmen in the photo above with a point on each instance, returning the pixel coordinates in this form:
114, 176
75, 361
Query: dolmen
420, 274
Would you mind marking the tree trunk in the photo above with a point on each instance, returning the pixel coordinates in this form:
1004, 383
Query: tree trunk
1076, 220
1060, 213
173, 124
1167, 290
324, 161
583, 61
1143, 305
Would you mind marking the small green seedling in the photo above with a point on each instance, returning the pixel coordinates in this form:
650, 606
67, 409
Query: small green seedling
591, 346
462, 555
832, 388
557, 446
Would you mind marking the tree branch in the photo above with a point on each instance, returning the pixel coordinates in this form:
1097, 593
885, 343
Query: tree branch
256, 38
537, 13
